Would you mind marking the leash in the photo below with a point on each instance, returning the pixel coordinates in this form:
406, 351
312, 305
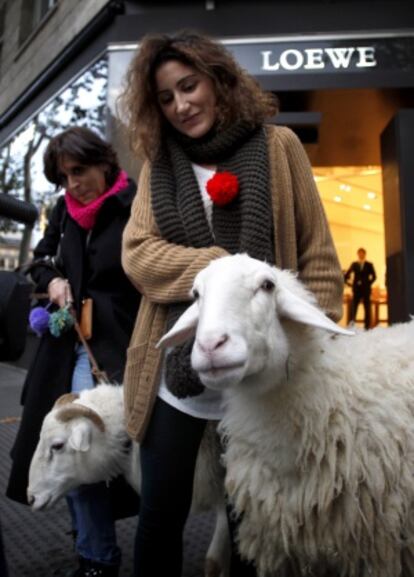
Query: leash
101, 376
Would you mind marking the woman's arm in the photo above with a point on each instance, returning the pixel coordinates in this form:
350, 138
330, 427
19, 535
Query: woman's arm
161, 270
318, 263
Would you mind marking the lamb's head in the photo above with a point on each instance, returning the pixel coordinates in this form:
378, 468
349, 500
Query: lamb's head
238, 321
63, 458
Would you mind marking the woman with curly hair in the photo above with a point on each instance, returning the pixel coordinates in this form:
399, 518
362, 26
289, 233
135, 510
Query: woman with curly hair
216, 180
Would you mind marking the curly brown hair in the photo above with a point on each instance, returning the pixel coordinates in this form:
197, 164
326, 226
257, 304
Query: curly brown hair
238, 94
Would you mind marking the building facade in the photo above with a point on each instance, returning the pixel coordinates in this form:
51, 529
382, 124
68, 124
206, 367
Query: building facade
343, 72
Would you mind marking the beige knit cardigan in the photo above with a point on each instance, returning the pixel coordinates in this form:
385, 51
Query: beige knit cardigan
164, 272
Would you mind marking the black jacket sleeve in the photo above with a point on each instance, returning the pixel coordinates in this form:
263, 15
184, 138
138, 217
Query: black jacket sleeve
372, 274
348, 273
44, 268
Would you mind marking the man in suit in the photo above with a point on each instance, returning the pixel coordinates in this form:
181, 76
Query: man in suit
363, 276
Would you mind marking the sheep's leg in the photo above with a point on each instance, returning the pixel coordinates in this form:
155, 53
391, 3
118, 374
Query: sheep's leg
218, 554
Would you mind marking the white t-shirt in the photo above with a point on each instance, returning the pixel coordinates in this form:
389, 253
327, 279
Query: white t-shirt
207, 405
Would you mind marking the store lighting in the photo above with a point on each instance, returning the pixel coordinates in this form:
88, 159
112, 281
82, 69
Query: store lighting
372, 195
370, 171
337, 198
366, 206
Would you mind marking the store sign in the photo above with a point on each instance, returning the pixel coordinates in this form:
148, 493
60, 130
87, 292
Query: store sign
319, 58
325, 56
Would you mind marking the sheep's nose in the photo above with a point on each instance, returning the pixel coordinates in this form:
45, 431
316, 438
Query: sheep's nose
210, 344
31, 499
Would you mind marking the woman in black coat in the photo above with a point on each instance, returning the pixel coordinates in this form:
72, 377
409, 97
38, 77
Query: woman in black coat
79, 258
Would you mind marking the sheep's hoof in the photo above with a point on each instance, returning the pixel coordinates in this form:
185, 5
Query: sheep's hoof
212, 568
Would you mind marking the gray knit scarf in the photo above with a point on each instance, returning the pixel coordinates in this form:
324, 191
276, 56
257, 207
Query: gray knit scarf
244, 225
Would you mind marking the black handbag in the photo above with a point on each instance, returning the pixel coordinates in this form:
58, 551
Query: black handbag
15, 294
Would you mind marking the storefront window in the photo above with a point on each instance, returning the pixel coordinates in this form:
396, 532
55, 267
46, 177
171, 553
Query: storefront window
353, 202
119, 58
32, 14
82, 103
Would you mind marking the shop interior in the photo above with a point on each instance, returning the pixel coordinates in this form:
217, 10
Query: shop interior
352, 198
344, 146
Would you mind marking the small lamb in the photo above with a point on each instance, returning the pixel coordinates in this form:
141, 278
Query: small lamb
83, 440
319, 426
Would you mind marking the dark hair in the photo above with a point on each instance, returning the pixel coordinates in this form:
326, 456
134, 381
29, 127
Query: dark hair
239, 96
84, 146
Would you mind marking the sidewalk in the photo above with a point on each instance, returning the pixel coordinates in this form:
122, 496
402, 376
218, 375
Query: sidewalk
37, 543
11, 380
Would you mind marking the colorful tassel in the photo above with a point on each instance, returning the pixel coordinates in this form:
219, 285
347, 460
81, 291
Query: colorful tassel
61, 321
39, 320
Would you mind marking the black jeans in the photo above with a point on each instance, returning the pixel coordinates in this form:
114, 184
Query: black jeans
168, 456
363, 295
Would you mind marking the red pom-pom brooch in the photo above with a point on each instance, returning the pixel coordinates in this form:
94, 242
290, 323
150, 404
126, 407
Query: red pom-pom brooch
223, 187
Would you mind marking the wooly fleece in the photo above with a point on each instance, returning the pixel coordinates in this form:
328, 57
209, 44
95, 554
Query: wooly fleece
318, 429
320, 467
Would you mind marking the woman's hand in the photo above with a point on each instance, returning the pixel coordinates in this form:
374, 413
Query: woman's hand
59, 291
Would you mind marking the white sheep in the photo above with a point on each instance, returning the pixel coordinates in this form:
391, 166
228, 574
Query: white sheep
83, 440
319, 427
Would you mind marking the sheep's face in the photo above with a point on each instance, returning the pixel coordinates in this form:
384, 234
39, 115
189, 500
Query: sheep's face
60, 462
238, 332
237, 319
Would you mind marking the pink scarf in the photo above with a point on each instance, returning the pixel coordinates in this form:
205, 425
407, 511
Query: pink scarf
85, 214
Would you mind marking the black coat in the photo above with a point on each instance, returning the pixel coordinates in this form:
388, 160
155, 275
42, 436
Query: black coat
362, 277
92, 264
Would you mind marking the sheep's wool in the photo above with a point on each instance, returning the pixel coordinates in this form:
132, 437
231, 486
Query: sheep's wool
107, 452
321, 468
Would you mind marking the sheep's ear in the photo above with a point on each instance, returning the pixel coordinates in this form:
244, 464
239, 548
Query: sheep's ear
80, 437
297, 309
182, 330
